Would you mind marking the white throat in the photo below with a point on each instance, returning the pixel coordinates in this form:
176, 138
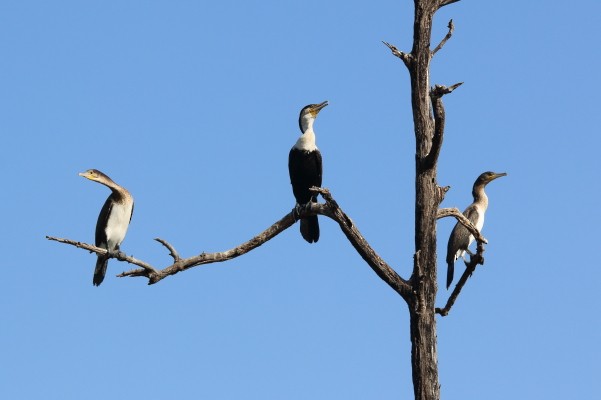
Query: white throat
307, 141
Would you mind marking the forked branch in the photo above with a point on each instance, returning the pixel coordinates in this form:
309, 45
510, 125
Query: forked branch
436, 94
329, 209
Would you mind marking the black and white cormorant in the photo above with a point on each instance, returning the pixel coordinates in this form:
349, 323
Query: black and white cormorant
304, 166
461, 238
113, 220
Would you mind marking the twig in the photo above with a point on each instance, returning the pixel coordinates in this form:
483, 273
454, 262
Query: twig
407, 58
447, 37
446, 3
129, 259
470, 267
439, 90
172, 252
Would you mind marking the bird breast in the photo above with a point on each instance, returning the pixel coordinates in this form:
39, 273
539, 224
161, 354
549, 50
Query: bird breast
117, 225
306, 141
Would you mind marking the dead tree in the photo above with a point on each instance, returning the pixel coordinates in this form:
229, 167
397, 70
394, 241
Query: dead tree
420, 289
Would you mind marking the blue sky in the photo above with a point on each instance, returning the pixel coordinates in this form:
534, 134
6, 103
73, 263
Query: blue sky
193, 107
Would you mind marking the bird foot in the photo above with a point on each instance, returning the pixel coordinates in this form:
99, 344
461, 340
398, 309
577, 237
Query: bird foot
296, 212
299, 208
118, 254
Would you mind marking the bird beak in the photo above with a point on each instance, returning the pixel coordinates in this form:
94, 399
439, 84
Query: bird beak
85, 175
319, 106
495, 176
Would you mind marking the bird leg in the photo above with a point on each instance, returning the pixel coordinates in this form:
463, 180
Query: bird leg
116, 253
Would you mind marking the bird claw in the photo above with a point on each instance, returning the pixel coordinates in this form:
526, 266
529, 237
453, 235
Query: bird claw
300, 208
118, 254
296, 212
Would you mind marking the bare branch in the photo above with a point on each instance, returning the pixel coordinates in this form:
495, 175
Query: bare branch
439, 90
172, 252
407, 58
93, 249
470, 267
436, 93
447, 37
209, 258
446, 3
377, 264
329, 209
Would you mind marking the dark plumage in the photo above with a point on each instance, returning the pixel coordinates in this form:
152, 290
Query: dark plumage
461, 238
305, 168
113, 220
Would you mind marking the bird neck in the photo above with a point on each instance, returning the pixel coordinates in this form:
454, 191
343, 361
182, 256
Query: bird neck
119, 191
306, 122
306, 141
480, 196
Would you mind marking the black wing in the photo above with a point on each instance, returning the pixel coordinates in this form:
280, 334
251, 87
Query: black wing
305, 168
460, 236
102, 222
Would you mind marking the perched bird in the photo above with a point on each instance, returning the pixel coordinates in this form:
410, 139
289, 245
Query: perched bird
461, 238
304, 166
113, 220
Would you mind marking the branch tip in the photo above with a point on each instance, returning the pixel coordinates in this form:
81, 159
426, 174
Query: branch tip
396, 52
440, 90
172, 252
447, 2
447, 37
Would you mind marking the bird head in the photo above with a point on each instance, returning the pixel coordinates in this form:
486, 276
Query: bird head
94, 175
488, 177
308, 115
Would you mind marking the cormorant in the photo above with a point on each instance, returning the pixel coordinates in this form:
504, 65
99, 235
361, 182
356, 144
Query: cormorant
461, 238
113, 220
304, 166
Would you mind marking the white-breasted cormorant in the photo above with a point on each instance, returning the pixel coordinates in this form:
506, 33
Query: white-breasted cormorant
113, 220
304, 166
461, 238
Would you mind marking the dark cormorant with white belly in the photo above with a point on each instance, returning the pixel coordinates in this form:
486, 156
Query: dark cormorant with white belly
461, 238
113, 220
304, 166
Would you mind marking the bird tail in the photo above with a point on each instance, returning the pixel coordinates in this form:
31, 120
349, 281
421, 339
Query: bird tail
450, 272
100, 270
309, 228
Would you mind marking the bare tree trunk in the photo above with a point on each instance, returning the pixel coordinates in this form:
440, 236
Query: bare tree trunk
424, 358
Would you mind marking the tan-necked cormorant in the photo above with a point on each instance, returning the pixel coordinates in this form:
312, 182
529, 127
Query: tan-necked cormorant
461, 238
304, 166
113, 220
